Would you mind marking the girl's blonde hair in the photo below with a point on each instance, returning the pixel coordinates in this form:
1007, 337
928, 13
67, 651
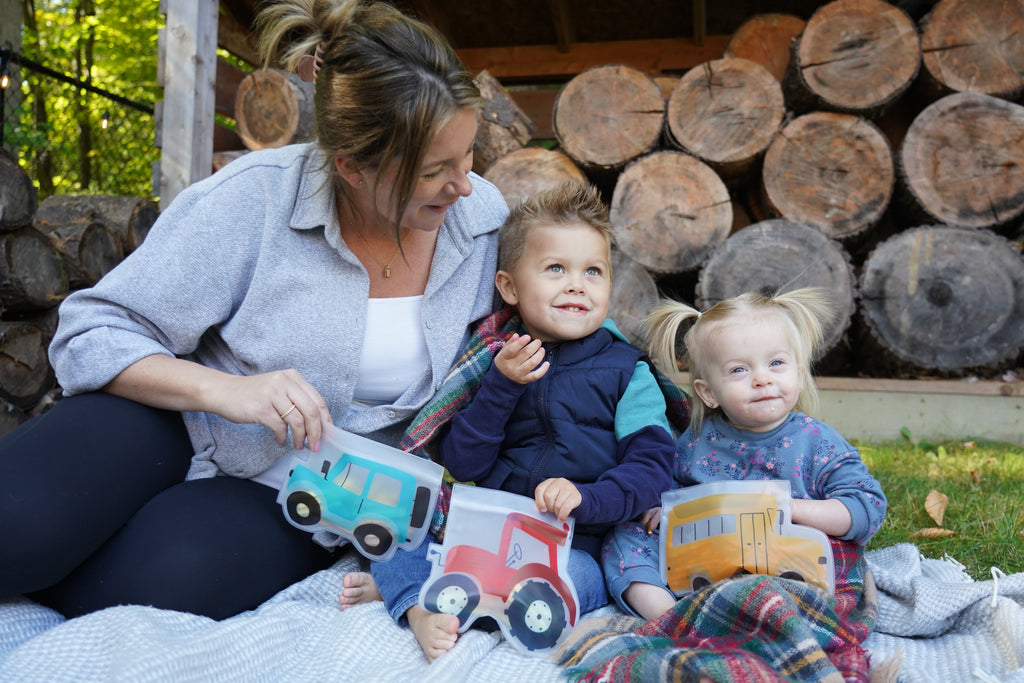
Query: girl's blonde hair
388, 83
805, 312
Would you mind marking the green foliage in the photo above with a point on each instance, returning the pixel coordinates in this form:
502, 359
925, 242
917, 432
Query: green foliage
111, 45
983, 481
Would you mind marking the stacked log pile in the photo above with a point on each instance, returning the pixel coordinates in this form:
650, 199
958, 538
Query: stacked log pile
47, 250
879, 157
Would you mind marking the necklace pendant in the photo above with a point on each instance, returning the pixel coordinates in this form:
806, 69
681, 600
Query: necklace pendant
387, 271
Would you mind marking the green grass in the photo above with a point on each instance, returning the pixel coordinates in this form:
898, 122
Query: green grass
985, 486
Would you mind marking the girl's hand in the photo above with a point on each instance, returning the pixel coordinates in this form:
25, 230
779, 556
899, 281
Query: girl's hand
522, 359
651, 519
278, 400
558, 496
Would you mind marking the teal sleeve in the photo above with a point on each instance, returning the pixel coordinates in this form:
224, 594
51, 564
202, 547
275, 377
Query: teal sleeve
642, 404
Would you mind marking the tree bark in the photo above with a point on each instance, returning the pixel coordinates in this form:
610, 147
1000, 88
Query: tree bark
945, 298
609, 115
780, 255
130, 218
726, 112
17, 194
832, 171
960, 162
974, 45
32, 273
503, 126
89, 250
767, 40
670, 210
25, 373
274, 108
529, 170
854, 56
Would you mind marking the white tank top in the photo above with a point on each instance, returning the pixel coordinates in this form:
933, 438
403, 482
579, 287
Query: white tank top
394, 349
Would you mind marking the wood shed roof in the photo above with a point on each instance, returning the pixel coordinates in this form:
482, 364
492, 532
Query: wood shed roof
538, 40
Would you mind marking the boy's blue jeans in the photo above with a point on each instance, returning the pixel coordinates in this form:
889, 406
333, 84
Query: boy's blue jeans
401, 578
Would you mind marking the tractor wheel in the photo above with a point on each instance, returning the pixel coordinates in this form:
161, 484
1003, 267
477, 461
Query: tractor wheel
303, 508
374, 539
453, 594
536, 614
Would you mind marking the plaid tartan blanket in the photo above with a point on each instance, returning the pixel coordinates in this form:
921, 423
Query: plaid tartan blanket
748, 629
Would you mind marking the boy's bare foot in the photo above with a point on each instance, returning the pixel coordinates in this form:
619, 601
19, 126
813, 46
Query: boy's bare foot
435, 632
359, 588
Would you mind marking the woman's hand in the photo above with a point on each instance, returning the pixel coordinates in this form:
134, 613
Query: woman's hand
558, 496
277, 400
522, 359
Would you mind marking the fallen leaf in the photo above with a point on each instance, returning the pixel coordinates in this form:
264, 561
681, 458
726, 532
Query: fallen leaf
969, 444
976, 476
935, 504
933, 533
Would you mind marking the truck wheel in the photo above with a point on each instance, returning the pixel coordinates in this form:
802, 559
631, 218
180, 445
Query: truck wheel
374, 539
536, 614
303, 508
453, 594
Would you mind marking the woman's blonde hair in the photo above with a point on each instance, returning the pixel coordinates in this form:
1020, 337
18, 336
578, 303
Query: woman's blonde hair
387, 84
805, 312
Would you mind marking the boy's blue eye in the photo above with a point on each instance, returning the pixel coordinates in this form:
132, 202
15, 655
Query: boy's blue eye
593, 271
777, 363
556, 267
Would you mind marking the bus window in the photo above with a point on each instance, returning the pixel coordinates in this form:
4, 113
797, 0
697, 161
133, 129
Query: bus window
715, 525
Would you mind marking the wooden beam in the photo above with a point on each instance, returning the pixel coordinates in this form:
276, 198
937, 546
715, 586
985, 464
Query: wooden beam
564, 29
188, 53
545, 62
229, 77
237, 39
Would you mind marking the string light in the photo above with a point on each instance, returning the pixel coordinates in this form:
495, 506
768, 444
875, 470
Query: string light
105, 121
5, 76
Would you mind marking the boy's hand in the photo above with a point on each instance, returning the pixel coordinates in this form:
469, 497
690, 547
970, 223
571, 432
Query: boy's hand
651, 519
522, 359
559, 496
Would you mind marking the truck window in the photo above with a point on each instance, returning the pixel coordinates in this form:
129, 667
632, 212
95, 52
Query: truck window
353, 478
385, 490
715, 525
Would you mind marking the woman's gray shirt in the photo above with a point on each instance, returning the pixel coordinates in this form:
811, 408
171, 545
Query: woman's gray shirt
246, 272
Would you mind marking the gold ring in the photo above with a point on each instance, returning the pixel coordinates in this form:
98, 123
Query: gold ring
287, 412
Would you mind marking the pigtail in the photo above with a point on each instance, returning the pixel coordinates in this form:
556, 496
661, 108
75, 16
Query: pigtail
810, 312
661, 328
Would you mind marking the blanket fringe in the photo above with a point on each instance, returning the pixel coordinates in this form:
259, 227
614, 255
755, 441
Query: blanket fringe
888, 670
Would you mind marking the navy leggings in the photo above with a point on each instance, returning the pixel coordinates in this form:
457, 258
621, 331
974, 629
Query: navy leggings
95, 512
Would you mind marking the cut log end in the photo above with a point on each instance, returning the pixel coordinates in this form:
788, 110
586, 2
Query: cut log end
945, 298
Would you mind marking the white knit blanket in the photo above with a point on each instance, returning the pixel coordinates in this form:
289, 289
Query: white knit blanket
941, 625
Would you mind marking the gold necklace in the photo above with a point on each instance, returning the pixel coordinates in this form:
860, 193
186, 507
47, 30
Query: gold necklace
386, 266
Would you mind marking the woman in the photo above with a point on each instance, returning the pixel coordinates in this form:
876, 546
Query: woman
330, 282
